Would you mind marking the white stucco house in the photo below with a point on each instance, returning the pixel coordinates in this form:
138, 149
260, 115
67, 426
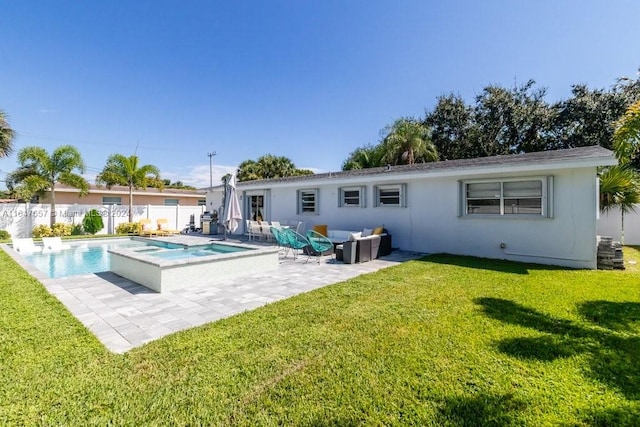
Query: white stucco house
535, 207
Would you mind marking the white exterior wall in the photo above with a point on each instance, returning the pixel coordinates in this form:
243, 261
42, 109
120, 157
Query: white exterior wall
430, 222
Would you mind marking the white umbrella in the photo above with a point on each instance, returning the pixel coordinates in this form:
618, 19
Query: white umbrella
232, 212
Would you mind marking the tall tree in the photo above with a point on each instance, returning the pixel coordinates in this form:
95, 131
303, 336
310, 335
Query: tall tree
511, 121
452, 126
6, 136
127, 171
408, 141
39, 172
588, 117
267, 167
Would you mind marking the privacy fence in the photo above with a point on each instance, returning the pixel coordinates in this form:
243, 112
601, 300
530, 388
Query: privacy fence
20, 218
610, 224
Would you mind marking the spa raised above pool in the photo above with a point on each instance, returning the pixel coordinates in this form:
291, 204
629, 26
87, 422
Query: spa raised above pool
165, 269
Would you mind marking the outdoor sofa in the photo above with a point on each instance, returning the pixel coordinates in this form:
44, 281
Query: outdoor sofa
360, 246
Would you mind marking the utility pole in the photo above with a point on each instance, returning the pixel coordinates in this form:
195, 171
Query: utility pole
211, 154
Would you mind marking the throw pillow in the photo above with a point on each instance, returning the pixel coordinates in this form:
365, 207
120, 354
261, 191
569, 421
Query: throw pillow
321, 229
147, 227
354, 236
164, 226
367, 232
378, 230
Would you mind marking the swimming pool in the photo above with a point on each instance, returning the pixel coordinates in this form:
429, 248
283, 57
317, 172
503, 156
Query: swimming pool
81, 258
157, 264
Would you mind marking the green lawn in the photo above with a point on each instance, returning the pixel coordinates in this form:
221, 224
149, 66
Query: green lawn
444, 340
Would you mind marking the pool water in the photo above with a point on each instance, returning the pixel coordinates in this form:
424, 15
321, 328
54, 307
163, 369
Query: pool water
81, 258
194, 251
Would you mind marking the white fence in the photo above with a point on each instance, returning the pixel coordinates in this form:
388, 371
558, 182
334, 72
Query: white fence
20, 218
610, 224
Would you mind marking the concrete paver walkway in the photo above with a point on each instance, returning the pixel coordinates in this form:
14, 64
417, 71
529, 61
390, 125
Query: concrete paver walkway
124, 315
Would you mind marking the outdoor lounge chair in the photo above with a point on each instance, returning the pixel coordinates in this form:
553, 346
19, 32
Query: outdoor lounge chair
147, 228
25, 245
320, 244
163, 228
53, 244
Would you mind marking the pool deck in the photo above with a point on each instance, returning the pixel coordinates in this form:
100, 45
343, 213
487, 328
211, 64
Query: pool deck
124, 315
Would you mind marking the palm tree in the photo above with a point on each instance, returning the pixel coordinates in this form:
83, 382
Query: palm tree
39, 172
408, 141
122, 170
619, 188
6, 136
363, 158
626, 138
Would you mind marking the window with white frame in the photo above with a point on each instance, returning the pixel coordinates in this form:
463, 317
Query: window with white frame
202, 202
112, 200
308, 201
507, 197
352, 197
390, 195
171, 202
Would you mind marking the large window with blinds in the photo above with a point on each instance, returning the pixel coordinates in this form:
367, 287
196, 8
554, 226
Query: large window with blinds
509, 197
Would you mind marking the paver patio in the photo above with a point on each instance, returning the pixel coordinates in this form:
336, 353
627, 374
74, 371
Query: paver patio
124, 315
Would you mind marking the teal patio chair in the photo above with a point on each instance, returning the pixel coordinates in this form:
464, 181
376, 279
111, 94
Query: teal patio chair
281, 239
319, 243
297, 242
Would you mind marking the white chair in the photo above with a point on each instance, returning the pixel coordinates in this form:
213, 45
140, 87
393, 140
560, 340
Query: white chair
301, 227
265, 230
25, 245
54, 244
254, 230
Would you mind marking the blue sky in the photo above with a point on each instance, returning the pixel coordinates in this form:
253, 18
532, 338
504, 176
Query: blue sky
309, 80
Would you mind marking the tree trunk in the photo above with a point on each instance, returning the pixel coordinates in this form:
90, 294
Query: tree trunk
130, 203
52, 214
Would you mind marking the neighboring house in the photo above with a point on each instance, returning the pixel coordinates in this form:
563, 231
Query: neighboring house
119, 195
536, 207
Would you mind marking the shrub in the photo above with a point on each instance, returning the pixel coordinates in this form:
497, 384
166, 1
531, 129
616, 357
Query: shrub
92, 222
60, 229
128, 228
77, 230
4, 235
42, 230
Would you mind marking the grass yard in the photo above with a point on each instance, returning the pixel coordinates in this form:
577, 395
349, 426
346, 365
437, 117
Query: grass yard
444, 340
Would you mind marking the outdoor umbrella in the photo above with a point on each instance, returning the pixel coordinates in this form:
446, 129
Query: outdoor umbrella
232, 213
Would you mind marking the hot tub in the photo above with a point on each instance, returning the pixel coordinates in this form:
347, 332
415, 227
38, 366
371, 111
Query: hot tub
166, 269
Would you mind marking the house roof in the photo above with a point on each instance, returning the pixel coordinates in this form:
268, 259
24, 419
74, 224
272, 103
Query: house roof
591, 156
121, 189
